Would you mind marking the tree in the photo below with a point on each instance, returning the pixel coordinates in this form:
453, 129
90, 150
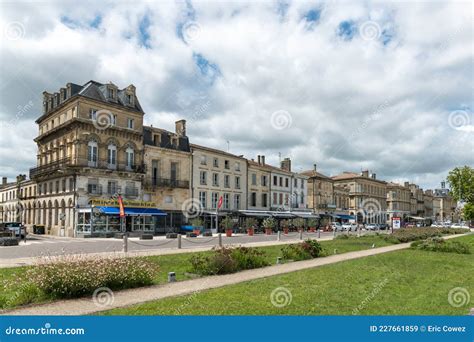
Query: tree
461, 183
468, 212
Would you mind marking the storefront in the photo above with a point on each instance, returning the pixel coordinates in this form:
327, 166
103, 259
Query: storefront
102, 217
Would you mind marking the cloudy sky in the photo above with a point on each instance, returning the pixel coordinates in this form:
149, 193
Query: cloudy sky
384, 86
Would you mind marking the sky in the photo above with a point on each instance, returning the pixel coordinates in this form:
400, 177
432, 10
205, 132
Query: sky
347, 85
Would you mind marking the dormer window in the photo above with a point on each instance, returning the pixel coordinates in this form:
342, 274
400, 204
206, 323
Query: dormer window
129, 99
156, 139
93, 114
110, 93
130, 123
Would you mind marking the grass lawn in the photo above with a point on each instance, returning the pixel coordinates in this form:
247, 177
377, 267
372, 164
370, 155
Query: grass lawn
408, 282
178, 263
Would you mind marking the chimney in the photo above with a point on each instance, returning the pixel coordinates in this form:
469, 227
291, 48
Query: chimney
262, 158
315, 167
374, 176
4, 180
286, 164
443, 185
180, 127
407, 184
365, 173
259, 160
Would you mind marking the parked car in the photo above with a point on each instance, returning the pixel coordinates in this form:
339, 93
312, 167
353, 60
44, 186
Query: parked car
384, 226
15, 227
371, 226
459, 225
336, 226
349, 227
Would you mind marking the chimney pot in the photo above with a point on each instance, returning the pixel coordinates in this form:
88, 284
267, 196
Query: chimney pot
365, 173
180, 127
259, 159
4, 180
263, 159
315, 167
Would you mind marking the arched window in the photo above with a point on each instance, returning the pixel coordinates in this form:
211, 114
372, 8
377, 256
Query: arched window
112, 156
92, 153
130, 158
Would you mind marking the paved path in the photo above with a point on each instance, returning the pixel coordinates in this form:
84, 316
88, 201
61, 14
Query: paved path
150, 247
124, 298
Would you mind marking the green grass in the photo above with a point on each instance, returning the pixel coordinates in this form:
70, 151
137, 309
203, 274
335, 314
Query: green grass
178, 263
407, 282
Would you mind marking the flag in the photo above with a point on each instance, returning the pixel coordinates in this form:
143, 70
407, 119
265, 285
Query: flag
219, 205
121, 207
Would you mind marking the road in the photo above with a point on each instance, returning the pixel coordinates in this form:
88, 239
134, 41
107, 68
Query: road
37, 246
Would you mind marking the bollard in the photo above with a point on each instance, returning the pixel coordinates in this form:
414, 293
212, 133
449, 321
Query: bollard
358, 232
335, 250
125, 243
171, 277
220, 239
319, 233
301, 234
179, 241
334, 232
278, 260
278, 236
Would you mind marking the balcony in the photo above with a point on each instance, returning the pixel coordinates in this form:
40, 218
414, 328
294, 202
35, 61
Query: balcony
153, 183
64, 163
49, 168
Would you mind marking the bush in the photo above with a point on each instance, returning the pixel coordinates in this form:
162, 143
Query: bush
8, 241
437, 244
228, 260
75, 276
413, 234
343, 237
307, 249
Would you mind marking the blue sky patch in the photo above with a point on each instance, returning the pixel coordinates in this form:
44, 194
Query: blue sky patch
346, 29
206, 68
143, 32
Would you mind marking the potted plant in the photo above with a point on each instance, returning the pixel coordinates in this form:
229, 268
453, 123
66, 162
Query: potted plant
285, 225
228, 224
269, 223
197, 224
312, 225
298, 223
250, 224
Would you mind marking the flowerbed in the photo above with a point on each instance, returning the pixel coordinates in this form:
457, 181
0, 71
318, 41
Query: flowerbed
307, 249
413, 234
437, 244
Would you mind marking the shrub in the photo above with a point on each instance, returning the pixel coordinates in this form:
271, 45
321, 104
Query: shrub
413, 234
74, 276
437, 244
228, 260
343, 237
8, 241
307, 249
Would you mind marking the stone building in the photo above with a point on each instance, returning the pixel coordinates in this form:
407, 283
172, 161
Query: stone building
398, 201
444, 205
320, 192
428, 205
167, 157
367, 196
417, 209
216, 174
90, 146
17, 202
259, 175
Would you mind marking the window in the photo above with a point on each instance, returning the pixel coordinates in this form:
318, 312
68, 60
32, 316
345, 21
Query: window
287, 183
93, 187
296, 183
215, 162
203, 160
112, 156
226, 164
130, 123
302, 184
202, 199
237, 182
156, 139
264, 180
275, 199
264, 200
130, 158
275, 180
129, 98
39, 189
236, 201
254, 179
281, 181
253, 199
110, 93
226, 181
112, 187
203, 178
226, 201
114, 119
281, 199
71, 184
93, 114
237, 166
215, 179
214, 200
64, 185
92, 154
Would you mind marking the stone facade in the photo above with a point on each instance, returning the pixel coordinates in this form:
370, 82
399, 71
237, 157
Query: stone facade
398, 200
259, 176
